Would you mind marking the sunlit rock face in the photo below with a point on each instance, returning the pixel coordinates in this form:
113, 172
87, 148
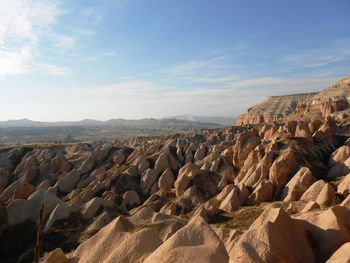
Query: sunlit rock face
270, 192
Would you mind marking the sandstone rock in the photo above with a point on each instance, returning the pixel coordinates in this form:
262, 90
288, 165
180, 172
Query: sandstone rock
282, 169
21, 210
246, 142
149, 177
339, 169
296, 187
310, 206
184, 177
262, 193
166, 161
23, 190
88, 164
224, 192
119, 158
273, 237
200, 153
131, 198
232, 201
58, 256
100, 246
196, 242
340, 155
302, 130
313, 191
68, 182
132, 171
326, 196
101, 221
92, 207
330, 229
61, 211
344, 186
142, 164
166, 180
341, 255
346, 202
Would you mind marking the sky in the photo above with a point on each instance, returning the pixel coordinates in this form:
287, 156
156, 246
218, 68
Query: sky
132, 59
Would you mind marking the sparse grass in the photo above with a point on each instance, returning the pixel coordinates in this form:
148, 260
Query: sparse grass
241, 219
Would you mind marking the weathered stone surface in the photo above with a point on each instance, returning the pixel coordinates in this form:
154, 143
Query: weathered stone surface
196, 242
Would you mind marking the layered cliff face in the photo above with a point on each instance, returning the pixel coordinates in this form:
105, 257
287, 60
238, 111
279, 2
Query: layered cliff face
273, 109
333, 101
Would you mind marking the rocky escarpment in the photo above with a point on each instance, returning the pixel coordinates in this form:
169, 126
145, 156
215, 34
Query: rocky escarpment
333, 101
272, 192
273, 109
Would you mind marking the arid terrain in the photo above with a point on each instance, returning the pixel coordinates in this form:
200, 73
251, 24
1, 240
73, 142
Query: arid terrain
28, 132
275, 187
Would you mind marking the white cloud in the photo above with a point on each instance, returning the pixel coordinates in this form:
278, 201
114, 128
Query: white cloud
139, 98
54, 70
193, 66
23, 24
64, 42
14, 62
334, 52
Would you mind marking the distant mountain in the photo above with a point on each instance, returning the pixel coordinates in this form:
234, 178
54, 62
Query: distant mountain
209, 119
149, 123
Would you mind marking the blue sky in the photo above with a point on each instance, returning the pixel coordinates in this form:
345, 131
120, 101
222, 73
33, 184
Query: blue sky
70, 60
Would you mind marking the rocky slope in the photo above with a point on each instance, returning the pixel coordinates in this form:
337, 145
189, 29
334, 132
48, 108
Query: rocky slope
333, 101
272, 192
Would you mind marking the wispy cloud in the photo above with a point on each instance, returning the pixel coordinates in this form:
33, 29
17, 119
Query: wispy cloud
23, 25
93, 13
101, 55
193, 66
336, 51
130, 98
64, 42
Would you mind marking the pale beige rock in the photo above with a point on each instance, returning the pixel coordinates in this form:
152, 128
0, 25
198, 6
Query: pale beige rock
297, 186
346, 202
99, 247
273, 237
342, 255
184, 177
119, 158
195, 242
101, 221
232, 201
246, 142
224, 192
326, 196
344, 186
61, 211
21, 210
340, 155
166, 180
131, 198
149, 177
90, 209
262, 193
282, 169
313, 191
200, 153
68, 182
329, 228
57, 256
310, 206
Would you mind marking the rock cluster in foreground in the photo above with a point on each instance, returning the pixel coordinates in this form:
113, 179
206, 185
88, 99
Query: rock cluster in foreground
272, 192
